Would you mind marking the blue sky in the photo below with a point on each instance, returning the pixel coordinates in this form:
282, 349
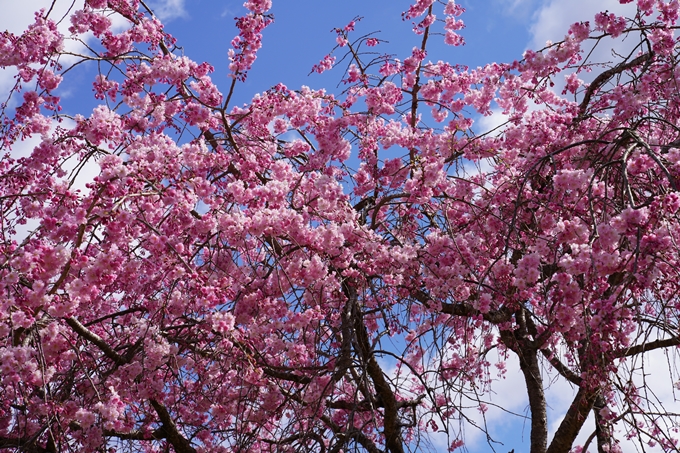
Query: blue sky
301, 36
497, 30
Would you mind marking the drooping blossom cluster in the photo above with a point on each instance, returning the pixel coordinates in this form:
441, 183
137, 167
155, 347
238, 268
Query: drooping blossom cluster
249, 40
321, 272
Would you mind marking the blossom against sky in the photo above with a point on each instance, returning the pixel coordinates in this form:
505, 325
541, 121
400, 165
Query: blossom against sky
301, 36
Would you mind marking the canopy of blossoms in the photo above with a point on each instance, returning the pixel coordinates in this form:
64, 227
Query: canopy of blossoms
327, 272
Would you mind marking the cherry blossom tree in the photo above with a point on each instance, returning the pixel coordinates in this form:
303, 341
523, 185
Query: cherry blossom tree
334, 272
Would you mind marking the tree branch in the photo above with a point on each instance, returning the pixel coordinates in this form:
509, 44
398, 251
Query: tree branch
518, 342
573, 421
646, 347
95, 339
179, 442
604, 77
392, 428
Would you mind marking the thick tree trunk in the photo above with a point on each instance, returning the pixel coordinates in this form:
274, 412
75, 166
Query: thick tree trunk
573, 421
528, 362
528, 359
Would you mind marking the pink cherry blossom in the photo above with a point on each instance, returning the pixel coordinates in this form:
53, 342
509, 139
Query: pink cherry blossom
336, 270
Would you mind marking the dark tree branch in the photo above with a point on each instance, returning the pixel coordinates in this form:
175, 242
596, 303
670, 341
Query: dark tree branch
646, 347
392, 427
539, 341
603, 428
464, 309
179, 442
286, 376
518, 342
605, 76
561, 367
573, 421
95, 339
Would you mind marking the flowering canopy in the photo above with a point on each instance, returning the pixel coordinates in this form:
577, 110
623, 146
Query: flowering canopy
325, 273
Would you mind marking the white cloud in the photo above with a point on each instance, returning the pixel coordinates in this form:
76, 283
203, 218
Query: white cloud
167, 10
551, 22
518, 9
17, 16
493, 124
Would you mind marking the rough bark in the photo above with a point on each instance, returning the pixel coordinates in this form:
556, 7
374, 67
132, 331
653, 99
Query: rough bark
528, 362
573, 421
539, 418
173, 436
